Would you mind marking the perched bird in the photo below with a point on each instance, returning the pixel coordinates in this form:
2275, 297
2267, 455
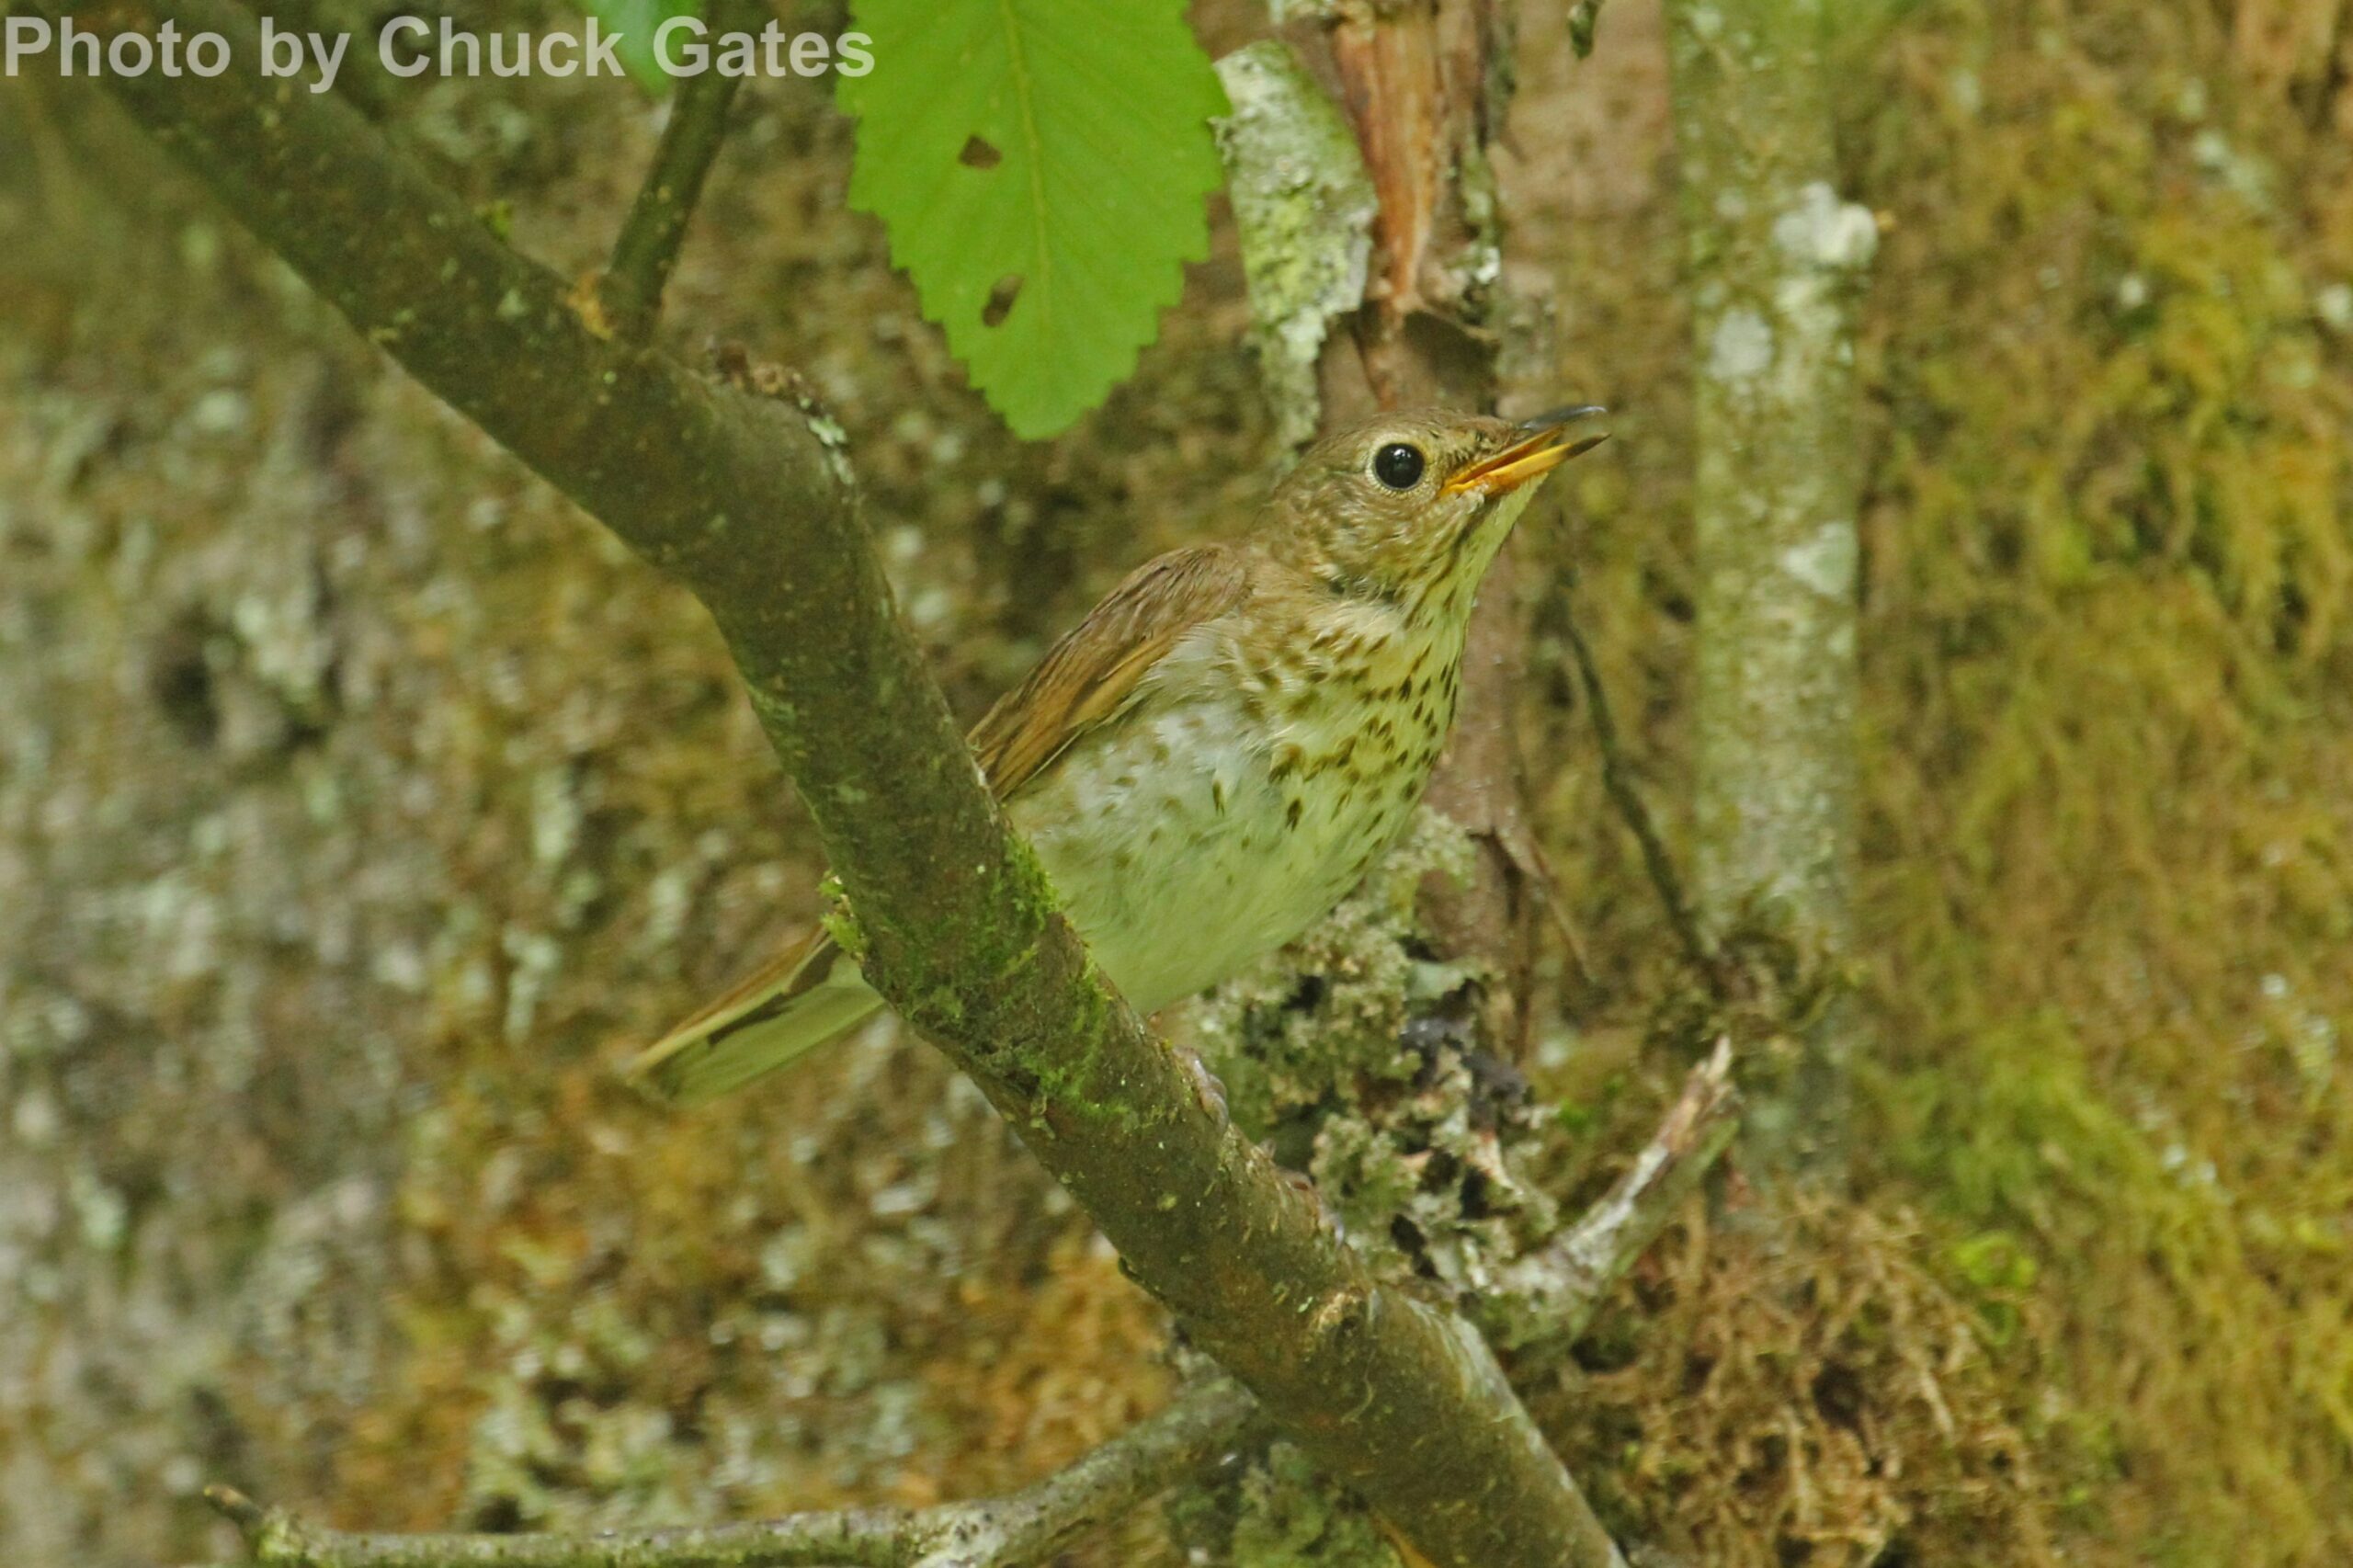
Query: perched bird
1227, 742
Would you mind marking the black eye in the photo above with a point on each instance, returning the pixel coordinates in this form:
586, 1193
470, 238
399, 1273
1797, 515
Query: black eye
1398, 465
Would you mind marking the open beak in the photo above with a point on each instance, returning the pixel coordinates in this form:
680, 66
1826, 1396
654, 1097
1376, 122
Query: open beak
1548, 446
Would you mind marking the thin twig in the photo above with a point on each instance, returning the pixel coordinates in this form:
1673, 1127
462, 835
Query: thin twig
647, 248
1547, 890
1552, 1295
1024, 1527
1618, 779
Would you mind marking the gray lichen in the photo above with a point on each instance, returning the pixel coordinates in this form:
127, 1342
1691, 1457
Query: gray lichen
1304, 207
1352, 1052
1290, 1520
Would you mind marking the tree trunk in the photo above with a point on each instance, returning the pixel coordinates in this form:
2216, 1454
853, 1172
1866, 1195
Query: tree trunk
1772, 249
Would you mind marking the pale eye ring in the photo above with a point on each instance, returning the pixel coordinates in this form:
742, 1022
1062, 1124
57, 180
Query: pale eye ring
1398, 465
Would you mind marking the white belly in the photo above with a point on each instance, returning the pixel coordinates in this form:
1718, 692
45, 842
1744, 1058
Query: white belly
1181, 851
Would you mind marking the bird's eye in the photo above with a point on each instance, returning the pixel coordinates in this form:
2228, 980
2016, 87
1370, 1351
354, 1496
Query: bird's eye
1398, 465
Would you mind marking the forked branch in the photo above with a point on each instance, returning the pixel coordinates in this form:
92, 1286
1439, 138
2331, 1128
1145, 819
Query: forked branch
1551, 1296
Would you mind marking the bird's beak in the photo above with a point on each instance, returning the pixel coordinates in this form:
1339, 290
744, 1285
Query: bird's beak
1548, 446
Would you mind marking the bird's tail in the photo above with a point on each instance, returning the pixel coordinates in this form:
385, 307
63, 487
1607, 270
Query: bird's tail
807, 995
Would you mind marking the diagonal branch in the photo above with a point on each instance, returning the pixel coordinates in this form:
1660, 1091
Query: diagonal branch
752, 505
1026, 1526
647, 248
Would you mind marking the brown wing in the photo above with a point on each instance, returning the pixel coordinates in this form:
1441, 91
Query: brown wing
1091, 675
1085, 680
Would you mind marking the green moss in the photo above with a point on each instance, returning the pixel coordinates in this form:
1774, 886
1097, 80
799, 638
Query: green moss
1289, 1520
1355, 1054
2108, 944
1277, 1513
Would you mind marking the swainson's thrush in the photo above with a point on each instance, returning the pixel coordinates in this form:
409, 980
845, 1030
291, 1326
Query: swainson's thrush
1226, 744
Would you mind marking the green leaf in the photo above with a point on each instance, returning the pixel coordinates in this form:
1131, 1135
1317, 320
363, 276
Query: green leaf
1042, 166
634, 22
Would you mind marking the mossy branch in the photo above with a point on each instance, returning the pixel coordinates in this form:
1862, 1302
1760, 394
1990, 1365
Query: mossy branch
750, 501
1548, 1297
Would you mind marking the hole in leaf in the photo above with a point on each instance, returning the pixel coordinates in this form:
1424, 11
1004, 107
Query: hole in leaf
979, 154
1001, 298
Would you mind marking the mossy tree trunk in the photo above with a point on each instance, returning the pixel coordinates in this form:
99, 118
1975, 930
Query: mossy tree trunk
1772, 251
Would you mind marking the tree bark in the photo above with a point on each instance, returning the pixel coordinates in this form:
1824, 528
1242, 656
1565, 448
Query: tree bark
750, 501
1772, 251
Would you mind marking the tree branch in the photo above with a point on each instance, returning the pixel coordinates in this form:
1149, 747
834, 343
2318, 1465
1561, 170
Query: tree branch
752, 505
647, 248
1552, 1295
1026, 1527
